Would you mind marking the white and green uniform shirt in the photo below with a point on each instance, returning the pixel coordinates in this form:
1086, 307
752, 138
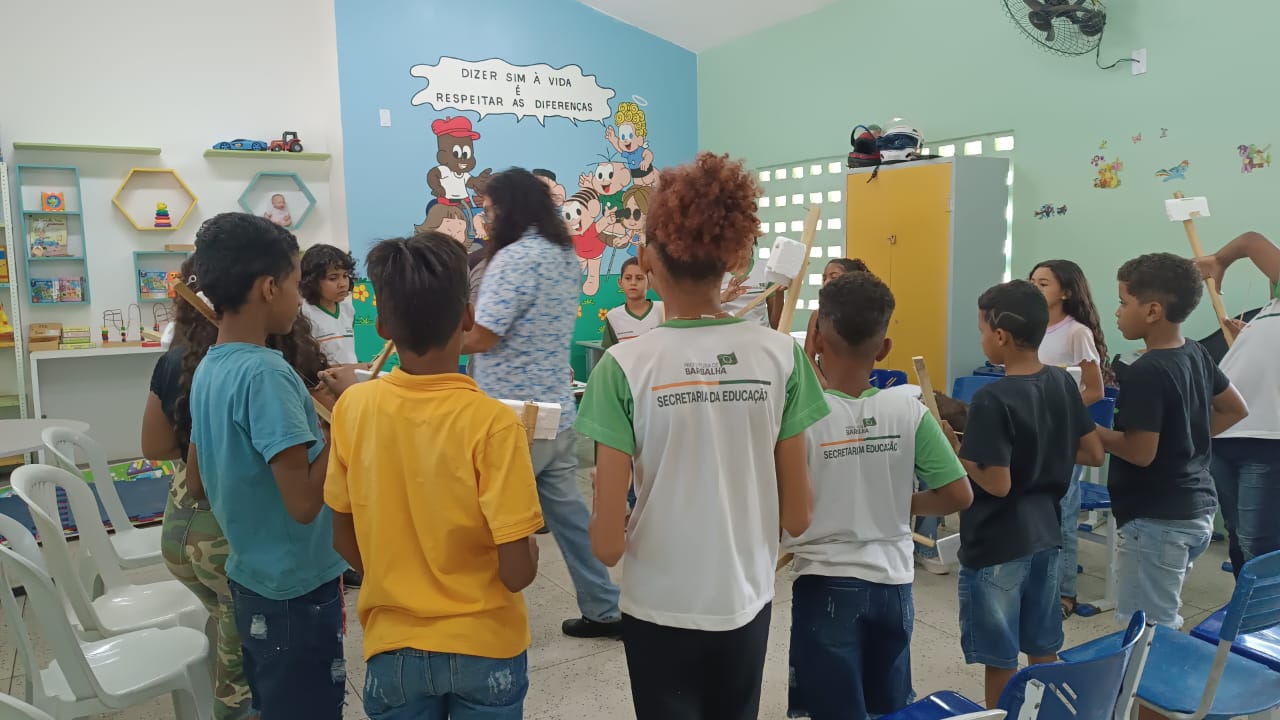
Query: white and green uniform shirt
755, 284
863, 461
1252, 366
334, 331
700, 405
621, 325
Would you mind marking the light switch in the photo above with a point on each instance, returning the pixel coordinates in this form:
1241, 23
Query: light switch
384, 117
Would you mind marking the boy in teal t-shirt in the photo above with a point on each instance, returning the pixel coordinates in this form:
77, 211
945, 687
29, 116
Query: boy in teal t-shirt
258, 453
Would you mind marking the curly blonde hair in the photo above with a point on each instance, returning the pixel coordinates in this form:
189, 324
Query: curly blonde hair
702, 217
629, 112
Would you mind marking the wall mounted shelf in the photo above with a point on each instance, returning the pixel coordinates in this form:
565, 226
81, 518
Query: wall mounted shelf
152, 266
256, 198
65, 147
60, 275
162, 185
265, 155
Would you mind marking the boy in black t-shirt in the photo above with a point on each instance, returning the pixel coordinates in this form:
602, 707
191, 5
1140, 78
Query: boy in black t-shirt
1026, 432
1173, 399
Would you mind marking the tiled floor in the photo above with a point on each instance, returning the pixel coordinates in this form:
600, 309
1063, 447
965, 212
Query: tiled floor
585, 680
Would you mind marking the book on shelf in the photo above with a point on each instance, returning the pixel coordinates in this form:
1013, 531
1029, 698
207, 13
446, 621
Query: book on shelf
6, 328
153, 284
47, 237
4, 265
70, 289
77, 346
44, 290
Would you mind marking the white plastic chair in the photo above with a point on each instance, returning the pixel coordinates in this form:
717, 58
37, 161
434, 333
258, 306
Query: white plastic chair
12, 708
134, 547
22, 541
106, 675
123, 606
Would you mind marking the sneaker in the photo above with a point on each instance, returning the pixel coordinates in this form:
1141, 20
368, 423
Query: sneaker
352, 579
933, 565
584, 628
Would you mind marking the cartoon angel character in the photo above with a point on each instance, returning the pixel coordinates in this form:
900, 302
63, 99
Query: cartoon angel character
580, 213
632, 140
609, 180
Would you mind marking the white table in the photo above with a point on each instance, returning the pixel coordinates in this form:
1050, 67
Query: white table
105, 387
18, 437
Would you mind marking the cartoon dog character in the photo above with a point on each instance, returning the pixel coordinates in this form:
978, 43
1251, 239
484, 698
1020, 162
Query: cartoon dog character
632, 141
609, 180
451, 179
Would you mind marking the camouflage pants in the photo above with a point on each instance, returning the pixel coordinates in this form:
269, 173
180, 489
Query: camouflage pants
195, 551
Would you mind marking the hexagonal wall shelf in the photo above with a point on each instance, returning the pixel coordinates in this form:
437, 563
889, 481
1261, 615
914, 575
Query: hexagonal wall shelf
260, 198
154, 199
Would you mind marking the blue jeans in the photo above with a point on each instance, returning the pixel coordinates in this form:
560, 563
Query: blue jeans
555, 464
850, 648
1069, 561
1011, 607
1246, 472
418, 685
928, 527
1153, 559
293, 652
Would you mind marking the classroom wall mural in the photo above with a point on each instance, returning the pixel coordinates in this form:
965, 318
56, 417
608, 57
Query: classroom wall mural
592, 106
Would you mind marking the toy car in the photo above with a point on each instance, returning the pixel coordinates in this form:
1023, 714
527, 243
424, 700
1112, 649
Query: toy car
288, 141
241, 144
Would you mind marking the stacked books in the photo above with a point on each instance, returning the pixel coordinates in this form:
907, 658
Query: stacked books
76, 337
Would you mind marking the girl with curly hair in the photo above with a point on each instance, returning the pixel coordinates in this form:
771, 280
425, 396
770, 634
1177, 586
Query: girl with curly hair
193, 545
712, 411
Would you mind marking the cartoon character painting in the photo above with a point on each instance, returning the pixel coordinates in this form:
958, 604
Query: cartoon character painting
580, 213
1253, 157
1177, 172
635, 205
632, 140
448, 219
609, 180
451, 180
479, 220
1109, 175
549, 178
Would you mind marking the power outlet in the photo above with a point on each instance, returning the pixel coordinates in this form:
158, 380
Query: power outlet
1139, 63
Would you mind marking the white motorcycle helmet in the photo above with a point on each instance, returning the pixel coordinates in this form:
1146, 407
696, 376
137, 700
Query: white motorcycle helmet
900, 143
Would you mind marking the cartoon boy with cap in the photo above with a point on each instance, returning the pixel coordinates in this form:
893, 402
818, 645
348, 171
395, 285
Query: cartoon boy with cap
451, 179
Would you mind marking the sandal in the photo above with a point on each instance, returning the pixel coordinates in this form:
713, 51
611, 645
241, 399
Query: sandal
1069, 607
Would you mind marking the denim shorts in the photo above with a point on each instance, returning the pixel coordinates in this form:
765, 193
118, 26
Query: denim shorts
418, 685
1152, 560
1011, 607
293, 657
850, 648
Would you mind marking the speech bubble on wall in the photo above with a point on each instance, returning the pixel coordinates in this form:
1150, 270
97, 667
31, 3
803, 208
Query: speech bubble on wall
496, 87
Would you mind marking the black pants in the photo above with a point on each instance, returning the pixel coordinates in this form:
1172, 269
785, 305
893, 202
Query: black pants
679, 674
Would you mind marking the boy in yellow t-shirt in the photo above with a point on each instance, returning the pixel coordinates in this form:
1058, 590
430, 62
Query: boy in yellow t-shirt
433, 497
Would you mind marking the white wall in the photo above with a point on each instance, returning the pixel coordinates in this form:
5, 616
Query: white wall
178, 75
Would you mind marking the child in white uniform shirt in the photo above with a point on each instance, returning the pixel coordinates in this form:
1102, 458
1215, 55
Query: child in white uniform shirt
851, 608
638, 315
1074, 338
326, 288
713, 411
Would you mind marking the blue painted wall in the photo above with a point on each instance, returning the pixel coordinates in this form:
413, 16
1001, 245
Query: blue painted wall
378, 45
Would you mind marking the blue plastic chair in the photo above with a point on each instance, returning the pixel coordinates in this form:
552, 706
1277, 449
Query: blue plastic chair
1103, 412
1097, 689
1262, 647
887, 378
1188, 679
964, 387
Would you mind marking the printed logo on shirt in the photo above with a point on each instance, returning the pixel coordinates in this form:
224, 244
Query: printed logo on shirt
860, 442
719, 391
726, 359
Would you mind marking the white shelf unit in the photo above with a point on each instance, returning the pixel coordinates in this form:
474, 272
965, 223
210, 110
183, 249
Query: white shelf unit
13, 401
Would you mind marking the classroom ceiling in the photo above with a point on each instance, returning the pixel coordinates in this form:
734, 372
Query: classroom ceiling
699, 25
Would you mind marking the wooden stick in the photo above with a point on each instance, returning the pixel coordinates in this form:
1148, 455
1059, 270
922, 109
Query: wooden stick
926, 388
1197, 250
530, 419
793, 291
381, 359
759, 299
198, 303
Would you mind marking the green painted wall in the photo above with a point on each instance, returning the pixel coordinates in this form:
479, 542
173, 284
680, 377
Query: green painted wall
793, 92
